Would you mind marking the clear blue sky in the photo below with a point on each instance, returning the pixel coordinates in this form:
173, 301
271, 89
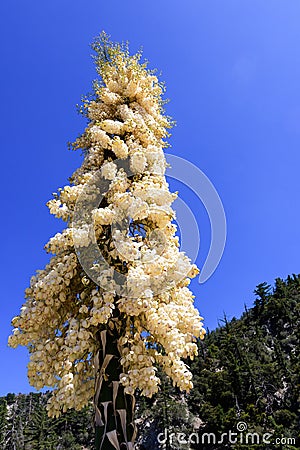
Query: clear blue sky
232, 70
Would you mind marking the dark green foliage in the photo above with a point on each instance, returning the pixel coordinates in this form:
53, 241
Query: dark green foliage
3, 421
39, 432
25, 425
248, 370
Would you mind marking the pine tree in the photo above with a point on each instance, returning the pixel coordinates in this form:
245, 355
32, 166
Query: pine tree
113, 302
262, 291
39, 433
3, 422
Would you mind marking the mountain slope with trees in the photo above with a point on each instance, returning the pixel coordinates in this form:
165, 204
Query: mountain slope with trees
248, 370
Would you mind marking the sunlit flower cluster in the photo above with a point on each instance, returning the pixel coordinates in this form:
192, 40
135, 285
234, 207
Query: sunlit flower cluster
64, 308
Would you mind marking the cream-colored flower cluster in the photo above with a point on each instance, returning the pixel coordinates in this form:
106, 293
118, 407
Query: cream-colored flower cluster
65, 309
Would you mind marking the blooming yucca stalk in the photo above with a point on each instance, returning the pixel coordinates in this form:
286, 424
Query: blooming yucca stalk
90, 336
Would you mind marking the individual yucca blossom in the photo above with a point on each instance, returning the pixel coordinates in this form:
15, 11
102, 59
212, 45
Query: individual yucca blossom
89, 339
